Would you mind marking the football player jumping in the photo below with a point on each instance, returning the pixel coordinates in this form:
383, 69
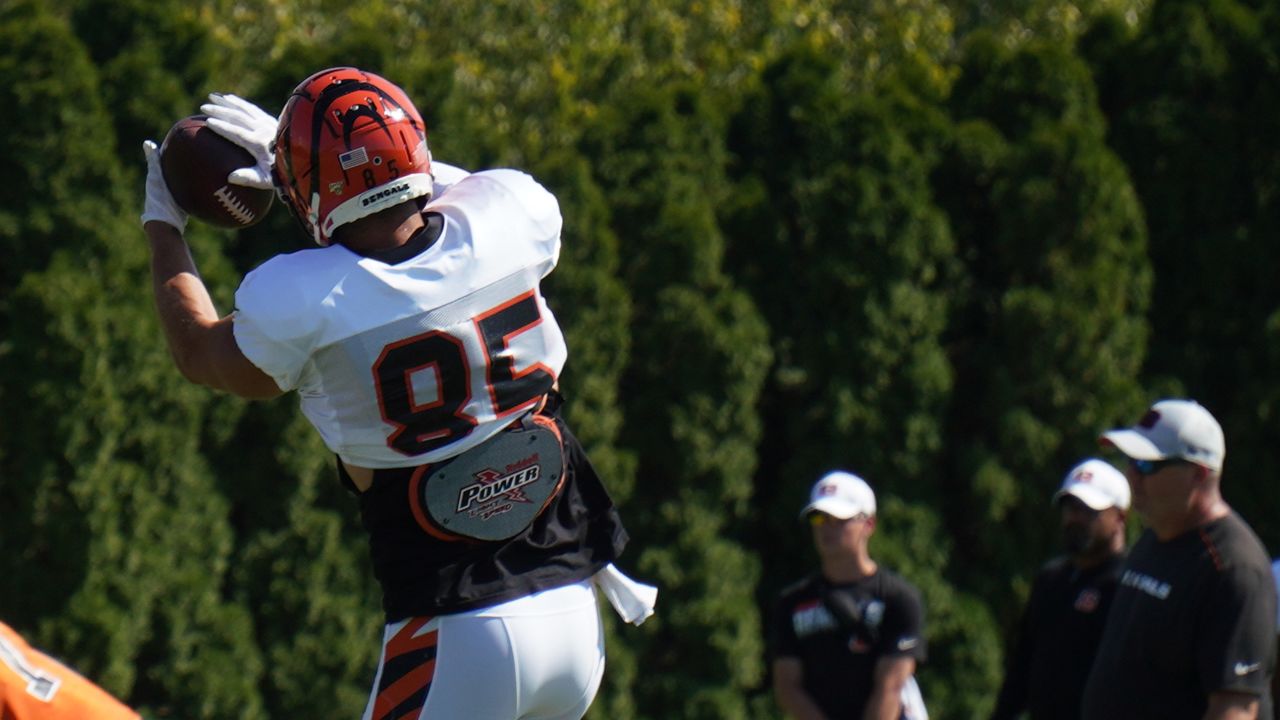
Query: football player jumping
423, 352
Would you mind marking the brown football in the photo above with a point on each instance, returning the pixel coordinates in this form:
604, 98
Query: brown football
195, 162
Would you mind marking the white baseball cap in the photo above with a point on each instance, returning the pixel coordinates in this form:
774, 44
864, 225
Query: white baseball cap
1096, 483
1173, 429
841, 495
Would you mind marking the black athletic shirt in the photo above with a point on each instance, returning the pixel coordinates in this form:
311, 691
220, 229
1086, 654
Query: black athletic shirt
1059, 634
839, 639
1192, 615
577, 535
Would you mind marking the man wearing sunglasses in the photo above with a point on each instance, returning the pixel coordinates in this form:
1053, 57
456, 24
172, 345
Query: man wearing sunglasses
846, 640
1062, 624
1192, 629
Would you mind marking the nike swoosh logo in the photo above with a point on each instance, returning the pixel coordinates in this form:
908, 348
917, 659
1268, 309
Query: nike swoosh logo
907, 643
1244, 669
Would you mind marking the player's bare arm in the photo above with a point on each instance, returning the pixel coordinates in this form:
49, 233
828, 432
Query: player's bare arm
202, 344
788, 686
891, 675
1232, 706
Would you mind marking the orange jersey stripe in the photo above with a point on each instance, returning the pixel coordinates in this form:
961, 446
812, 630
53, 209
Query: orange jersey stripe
405, 642
399, 691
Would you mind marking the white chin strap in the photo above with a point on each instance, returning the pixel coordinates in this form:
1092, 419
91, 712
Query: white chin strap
314, 216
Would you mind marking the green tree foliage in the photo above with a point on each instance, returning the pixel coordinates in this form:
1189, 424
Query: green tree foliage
151, 56
834, 196
1193, 107
302, 568
44, 204
1021, 21
872, 41
115, 515
1048, 330
689, 401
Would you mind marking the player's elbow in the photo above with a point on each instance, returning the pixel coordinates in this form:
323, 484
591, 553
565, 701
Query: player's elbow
200, 372
202, 368
209, 356
252, 391
194, 365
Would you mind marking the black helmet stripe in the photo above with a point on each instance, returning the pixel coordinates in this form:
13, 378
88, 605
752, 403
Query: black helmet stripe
327, 97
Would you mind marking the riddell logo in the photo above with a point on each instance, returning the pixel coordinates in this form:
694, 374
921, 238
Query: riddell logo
384, 193
491, 484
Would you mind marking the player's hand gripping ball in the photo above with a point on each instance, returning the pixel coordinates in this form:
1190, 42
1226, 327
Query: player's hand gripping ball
196, 161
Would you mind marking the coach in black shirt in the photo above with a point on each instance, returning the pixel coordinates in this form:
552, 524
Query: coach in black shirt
1046, 671
1192, 630
846, 639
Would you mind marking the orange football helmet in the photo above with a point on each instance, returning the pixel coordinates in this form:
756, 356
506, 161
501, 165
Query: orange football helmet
350, 143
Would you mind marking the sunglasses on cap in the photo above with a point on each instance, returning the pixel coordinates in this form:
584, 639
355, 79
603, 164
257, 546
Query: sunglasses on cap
818, 519
1151, 467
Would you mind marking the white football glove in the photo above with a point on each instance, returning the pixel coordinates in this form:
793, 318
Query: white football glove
248, 126
159, 204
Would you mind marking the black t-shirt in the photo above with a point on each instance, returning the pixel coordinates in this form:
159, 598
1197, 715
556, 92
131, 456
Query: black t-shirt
575, 536
1058, 637
1193, 615
838, 632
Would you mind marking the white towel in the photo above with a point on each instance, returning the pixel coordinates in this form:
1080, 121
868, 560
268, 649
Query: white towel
912, 701
633, 601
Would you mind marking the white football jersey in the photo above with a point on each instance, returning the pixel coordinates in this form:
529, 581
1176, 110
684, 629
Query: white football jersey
407, 363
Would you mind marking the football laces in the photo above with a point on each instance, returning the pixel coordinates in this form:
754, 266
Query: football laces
232, 204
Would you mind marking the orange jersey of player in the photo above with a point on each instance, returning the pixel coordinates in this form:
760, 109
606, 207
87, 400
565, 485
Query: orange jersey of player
34, 685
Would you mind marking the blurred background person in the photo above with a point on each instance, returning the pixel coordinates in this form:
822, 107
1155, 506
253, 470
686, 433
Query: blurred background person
847, 639
1192, 630
1062, 624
